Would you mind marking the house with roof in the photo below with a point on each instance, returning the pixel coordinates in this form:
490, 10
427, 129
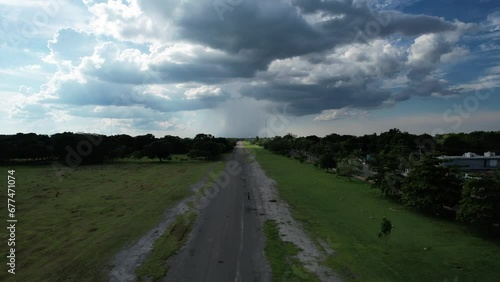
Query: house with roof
472, 161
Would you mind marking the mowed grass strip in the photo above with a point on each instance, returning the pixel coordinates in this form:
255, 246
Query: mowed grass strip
70, 230
155, 267
281, 257
347, 215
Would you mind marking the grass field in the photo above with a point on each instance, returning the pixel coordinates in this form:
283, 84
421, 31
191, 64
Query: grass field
70, 230
347, 215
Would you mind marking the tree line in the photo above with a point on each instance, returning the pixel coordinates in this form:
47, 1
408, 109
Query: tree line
405, 167
85, 148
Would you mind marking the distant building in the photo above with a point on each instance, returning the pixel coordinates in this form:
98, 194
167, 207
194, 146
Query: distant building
472, 161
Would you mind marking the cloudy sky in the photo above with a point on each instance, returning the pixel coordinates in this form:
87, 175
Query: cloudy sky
248, 67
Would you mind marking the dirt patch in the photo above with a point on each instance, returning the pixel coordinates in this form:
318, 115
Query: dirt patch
271, 207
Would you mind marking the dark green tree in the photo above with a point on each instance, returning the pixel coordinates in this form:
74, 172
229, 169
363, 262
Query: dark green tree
431, 187
387, 176
207, 149
158, 149
480, 203
327, 161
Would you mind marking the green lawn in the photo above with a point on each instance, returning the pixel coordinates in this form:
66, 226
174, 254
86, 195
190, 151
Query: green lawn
70, 230
347, 215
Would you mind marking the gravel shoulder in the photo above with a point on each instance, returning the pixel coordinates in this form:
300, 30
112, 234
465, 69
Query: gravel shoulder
272, 207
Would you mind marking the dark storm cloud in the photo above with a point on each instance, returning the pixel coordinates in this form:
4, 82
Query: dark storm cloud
415, 25
426, 87
164, 73
372, 22
261, 31
240, 47
206, 71
310, 99
258, 31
